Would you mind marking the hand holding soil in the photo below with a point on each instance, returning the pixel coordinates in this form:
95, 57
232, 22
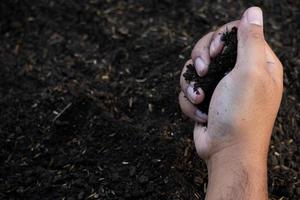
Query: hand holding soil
218, 68
243, 105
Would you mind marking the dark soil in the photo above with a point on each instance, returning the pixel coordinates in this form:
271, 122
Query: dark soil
88, 98
218, 68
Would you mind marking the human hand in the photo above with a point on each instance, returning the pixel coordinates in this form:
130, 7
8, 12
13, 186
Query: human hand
245, 103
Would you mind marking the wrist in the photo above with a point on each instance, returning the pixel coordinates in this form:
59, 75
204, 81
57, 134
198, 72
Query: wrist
235, 172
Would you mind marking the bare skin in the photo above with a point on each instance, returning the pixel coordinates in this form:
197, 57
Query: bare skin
242, 111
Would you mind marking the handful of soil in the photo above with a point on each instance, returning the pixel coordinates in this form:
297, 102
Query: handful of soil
217, 69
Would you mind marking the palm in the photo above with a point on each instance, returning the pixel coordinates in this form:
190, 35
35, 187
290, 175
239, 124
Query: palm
205, 137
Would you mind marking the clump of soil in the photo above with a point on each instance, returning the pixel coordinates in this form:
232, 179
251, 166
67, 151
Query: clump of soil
218, 68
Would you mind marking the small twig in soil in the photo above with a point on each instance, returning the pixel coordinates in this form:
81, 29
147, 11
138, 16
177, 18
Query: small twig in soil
61, 112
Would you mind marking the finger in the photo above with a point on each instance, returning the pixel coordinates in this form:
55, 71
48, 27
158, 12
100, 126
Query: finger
274, 65
251, 42
217, 44
195, 97
190, 110
200, 54
201, 140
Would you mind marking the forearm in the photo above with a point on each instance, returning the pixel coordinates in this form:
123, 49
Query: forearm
237, 176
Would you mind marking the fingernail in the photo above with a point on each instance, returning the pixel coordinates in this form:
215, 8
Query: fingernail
192, 94
201, 115
200, 66
255, 16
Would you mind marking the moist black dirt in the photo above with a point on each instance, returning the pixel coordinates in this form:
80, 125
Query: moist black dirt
218, 68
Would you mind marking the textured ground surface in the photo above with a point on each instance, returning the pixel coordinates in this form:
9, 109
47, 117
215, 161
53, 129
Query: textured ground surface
88, 98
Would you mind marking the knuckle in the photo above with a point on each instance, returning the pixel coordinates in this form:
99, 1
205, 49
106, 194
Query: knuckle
256, 35
211, 32
255, 75
201, 47
251, 72
197, 52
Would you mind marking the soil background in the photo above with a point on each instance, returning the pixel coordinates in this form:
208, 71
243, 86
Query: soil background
88, 97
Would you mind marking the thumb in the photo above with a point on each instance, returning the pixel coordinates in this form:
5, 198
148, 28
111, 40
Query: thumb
251, 42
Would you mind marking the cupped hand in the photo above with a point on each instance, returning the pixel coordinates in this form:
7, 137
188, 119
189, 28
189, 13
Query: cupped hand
245, 103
